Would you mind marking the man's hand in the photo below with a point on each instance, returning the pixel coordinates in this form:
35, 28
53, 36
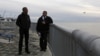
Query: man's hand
38, 33
43, 22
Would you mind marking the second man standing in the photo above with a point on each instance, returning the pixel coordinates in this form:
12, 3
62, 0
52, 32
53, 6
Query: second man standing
43, 29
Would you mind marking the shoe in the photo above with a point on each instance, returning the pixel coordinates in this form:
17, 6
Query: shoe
19, 53
41, 50
27, 52
44, 50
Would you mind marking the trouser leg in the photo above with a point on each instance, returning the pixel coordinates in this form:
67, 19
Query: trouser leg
20, 40
26, 40
45, 41
41, 42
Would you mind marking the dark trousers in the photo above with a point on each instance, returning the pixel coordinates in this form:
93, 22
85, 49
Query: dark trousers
43, 40
23, 33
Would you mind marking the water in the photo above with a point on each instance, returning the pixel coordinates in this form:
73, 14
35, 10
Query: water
89, 27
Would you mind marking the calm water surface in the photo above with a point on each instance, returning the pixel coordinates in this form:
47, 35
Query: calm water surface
92, 28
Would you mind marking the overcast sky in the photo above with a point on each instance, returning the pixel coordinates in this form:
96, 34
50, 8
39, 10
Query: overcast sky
59, 10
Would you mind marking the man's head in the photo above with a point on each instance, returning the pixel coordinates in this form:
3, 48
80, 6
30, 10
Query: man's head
25, 10
44, 13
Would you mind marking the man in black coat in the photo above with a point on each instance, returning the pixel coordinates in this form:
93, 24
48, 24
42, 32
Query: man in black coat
23, 22
42, 28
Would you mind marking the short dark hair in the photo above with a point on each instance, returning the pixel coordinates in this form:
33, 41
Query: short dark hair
24, 8
45, 11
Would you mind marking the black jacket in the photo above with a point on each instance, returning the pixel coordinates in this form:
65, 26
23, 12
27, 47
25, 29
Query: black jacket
23, 21
44, 27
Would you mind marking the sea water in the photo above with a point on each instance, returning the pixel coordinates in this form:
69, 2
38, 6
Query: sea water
89, 27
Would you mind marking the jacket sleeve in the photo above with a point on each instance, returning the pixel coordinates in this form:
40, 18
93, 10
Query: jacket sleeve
18, 21
37, 26
29, 21
50, 20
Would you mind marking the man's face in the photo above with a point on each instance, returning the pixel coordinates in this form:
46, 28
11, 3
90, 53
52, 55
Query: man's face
44, 13
25, 10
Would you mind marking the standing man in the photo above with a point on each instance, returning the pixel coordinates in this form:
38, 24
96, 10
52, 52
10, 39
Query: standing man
23, 22
43, 29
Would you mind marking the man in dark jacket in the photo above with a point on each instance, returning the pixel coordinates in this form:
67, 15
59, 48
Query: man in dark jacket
43, 29
23, 22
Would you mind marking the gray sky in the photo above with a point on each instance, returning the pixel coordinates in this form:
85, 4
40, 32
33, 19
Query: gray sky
59, 10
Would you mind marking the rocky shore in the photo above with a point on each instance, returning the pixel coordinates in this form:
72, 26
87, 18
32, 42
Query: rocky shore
11, 48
